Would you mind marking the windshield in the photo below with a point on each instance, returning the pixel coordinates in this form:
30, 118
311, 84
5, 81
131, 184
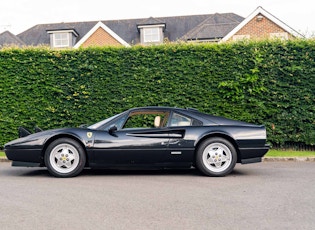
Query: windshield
101, 123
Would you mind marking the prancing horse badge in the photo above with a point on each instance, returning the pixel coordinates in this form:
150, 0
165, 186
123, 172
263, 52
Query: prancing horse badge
89, 134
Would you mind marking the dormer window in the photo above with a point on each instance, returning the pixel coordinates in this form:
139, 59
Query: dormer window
151, 31
151, 34
62, 38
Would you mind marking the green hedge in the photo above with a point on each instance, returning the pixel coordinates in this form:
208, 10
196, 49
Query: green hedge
265, 82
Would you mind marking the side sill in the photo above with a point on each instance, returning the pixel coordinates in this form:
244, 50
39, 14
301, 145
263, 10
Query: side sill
25, 164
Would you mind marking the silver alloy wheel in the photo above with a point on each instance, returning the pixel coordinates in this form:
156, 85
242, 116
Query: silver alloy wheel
217, 157
64, 158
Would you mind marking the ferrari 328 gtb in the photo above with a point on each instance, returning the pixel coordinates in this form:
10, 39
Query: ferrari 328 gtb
148, 137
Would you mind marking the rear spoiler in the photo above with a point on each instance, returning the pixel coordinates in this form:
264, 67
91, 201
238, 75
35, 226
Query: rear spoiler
23, 132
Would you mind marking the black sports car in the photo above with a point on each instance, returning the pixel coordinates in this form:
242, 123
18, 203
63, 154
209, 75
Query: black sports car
154, 137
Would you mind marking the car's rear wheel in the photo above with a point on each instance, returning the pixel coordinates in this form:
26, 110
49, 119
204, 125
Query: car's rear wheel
65, 157
216, 157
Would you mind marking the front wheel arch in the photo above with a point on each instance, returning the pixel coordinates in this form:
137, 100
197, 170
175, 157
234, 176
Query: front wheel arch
65, 157
52, 139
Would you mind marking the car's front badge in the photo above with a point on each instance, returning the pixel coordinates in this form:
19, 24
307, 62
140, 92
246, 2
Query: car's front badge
89, 134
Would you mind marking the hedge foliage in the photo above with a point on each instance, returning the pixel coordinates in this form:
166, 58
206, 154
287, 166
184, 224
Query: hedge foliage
266, 82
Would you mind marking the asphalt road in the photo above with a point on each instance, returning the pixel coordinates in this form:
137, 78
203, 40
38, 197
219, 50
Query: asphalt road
269, 195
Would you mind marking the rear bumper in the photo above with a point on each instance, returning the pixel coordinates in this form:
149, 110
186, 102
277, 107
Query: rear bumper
253, 155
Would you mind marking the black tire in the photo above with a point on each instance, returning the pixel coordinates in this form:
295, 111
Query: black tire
216, 157
65, 157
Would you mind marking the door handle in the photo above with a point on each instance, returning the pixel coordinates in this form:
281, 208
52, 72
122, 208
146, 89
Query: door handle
174, 142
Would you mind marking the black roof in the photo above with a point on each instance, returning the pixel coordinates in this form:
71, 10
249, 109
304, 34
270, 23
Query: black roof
7, 38
206, 119
191, 27
214, 26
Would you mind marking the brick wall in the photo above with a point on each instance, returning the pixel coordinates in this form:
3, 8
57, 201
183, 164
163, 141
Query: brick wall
260, 27
100, 38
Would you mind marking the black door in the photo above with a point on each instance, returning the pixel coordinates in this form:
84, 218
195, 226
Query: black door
131, 147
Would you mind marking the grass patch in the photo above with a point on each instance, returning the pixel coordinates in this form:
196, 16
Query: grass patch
289, 153
2, 154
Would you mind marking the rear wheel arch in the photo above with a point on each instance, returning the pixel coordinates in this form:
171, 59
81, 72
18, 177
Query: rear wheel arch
216, 156
220, 135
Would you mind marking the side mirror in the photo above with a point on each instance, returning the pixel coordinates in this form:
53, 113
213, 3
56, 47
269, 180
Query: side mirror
112, 130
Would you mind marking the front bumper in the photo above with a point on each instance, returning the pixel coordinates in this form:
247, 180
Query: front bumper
24, 155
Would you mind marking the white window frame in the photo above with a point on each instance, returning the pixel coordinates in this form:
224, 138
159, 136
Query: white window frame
151, 34
282, 36
241, 37
62, 42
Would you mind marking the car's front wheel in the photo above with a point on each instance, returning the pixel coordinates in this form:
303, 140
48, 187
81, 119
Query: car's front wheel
216, 157
65, 157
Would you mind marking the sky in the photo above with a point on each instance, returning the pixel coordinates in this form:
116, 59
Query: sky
17, 16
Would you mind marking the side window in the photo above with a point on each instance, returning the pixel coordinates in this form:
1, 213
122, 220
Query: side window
180, 120
118, 123
146, 119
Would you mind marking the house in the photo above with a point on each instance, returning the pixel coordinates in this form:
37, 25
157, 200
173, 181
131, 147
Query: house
261, 24
194, 28
131, 31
